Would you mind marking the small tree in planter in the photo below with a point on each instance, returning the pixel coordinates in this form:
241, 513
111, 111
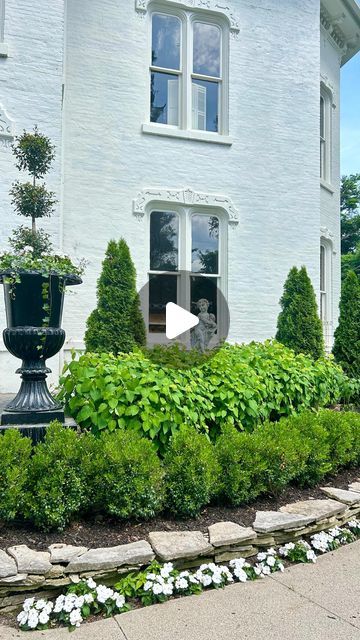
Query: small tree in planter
34, 279
299, 326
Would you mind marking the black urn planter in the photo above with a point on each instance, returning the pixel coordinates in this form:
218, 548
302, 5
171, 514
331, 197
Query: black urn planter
34, 308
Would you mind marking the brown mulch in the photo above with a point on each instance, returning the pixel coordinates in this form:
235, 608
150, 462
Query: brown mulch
107, 532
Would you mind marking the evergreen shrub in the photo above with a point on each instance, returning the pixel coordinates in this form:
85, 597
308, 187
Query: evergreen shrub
191, 473
347, 334
15, 454
116, 325
125, 476
299, 326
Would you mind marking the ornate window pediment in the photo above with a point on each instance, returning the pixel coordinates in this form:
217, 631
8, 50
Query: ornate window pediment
7, 128
186, 196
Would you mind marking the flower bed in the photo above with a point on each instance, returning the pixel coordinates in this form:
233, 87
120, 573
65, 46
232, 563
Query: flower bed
159, 582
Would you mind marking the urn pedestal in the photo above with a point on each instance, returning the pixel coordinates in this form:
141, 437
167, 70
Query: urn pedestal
33, 311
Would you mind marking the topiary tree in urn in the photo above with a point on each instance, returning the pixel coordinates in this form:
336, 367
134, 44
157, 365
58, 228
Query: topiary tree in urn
34, 278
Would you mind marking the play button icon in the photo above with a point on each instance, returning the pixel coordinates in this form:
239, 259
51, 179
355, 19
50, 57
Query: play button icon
178, 320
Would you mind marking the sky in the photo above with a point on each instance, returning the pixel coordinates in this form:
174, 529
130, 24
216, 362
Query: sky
350, 116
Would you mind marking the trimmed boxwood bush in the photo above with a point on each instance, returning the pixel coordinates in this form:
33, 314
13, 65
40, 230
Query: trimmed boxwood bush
191, 473
125, 476
55, 489
15, 454
239, 385
242, 467
316, 447
340, 438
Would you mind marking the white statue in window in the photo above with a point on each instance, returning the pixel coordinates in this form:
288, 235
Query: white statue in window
206, 329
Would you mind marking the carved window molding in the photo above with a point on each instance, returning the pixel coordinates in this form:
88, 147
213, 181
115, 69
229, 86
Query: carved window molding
187, 197
7, 128
220, 8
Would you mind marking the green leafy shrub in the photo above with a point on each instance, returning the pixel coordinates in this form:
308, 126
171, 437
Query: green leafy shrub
353, 419
315, 444
55, 490
241, 385
116, 325
340, 438
125, 476
15, 454
191, 473
283, 452
299, 326
242, 467
347, 334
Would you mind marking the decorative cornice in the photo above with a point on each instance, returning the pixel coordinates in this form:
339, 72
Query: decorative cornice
7, 128
141, 6
332, 24
186, 196
329, 236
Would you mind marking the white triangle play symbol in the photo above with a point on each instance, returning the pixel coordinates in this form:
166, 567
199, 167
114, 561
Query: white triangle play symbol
178, 320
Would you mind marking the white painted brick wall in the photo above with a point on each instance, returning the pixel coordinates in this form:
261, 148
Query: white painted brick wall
271, 171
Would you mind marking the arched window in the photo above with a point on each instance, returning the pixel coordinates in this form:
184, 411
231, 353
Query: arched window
188, 84
185, 245
325, 135
326, 312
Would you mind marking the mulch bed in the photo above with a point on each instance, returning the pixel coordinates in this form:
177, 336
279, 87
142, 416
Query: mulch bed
107, 532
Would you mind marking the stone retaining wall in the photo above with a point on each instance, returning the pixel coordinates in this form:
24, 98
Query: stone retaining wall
25, 572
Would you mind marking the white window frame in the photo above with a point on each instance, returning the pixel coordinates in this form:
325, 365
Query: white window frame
325, 292
3, 46
185, 214
184, 128
325, 136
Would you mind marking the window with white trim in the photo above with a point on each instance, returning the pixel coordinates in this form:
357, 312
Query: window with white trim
188, 82
325, 291
2, 20
185, 245
325, 135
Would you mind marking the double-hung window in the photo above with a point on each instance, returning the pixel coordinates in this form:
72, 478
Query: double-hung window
325, 136
187, 72
3, 47
185, 246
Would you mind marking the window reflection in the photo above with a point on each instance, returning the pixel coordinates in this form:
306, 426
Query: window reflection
206, 49
166, 36
162, 289
204, 288
205, 244
164, 98
164, 232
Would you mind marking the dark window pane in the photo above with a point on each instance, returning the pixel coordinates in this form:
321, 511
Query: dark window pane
322, 268
164, 98
162, 289
203, 288
166, 35
205, 105
206, 51
322, 117
205, 244
164, 233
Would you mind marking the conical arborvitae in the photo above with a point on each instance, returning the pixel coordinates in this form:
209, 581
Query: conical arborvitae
299, 326
116, 325
347, 335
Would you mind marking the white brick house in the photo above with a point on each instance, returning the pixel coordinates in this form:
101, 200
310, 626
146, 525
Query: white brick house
231, 138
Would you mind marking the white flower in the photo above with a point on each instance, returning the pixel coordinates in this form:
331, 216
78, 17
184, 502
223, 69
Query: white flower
75, 618
240, 574
270, 560
266, 570
168, 589
157, 588
91, 583
28, 603
28, 248
33, 619
120, 601
261, 556
280, 566
59, 603
40, 604
22, 618
150, 576
311, 555
44, 617
181, 584
79, 602
89, 598
148, 585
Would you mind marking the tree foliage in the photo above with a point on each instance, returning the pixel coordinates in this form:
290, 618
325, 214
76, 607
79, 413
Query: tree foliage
299, 326
347, 335
116, 325
350, 215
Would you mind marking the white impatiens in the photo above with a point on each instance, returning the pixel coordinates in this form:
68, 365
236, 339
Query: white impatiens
299, 551
160, 582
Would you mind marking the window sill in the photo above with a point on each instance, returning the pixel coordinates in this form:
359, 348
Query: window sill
3, 50
325, 185
202, 136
